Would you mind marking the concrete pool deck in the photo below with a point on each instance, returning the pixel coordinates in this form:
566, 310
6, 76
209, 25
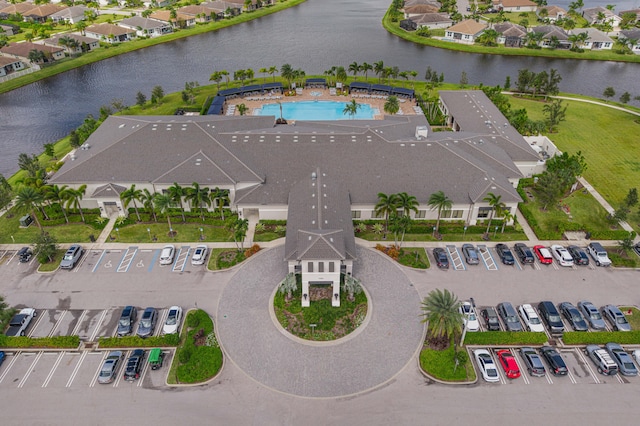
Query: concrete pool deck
406, 105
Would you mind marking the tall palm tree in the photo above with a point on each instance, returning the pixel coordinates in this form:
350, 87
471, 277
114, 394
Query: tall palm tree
176, 192
147, 201
439, 201
57, 194
217, 77
391, 105
129, 195
386, 206
341, 74
286, 72
497, 207
27, 200
198, 197
378, 68
441, 313
354, 68
264, 73
507, 216
407, 203
75, 196
163, 203
272, 71
351, 108
239, 229
220, 197
366, 67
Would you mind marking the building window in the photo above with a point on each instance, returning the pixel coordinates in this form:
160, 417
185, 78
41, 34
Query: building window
484, 212
421, 214
332, 267
375, 215
452, 214
355, 214
310, 267
320, 266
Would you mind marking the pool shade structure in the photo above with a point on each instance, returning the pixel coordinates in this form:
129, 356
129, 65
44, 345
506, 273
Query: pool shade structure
217, 105
401, 91
381, 88
315, 82
360, 86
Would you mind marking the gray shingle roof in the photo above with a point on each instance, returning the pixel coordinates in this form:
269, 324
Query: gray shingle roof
108, 191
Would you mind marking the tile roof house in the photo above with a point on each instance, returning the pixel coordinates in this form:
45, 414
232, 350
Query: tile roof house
511, 35
420, 9
552, 14
432, 20
85, 44
180, 21
597, 40
601, 15
146, 27
41, 12
21, 51
515, 5
9, 65
632, 39
464, 32
203, 12
6, 30
635, 12
110, 33
229, 9
71, 15
552, 34
17, 8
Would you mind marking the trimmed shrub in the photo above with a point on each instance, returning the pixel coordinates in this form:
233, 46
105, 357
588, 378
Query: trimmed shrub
505, 338
61, 342
601, 337
168, 340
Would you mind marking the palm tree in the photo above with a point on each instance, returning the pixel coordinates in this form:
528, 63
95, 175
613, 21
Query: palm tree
351, 108
217, 77
225, 74
407, 203
507, 216
354, 68
163, 203
386, 206
289, 285
57, 194
286, 72
378, 68
147, 201
176, 192
264, 73
439, 201
129, 195
341, 74
198, 197
366, 67
272, 71
392, 105
497, 207
442, 315
220, 197
27, 200
75, 196
239, 229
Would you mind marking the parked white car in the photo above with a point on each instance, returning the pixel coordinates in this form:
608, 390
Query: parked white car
199, 255
531, 319
469, 317
166, 256
487, 366
562, 255
174, 319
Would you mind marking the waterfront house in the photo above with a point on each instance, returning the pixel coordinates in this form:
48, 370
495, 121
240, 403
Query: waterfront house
110, 33
464, 32
146, 27
21, 51
597, 40
420, 9
9, 65
553, 36
632, 39
601, 15
511, 35
432, 20
180, 21
203, 12
228, 9
84, 44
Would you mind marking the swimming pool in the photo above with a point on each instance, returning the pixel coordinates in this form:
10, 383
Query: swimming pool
316, 110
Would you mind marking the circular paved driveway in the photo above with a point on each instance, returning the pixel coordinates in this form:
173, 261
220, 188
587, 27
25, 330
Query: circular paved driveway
386, 344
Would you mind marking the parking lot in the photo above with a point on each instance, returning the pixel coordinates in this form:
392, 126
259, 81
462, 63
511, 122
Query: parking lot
9, 259
490, 261
67, 369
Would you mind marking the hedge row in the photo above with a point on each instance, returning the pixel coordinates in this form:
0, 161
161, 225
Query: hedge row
274, 222
601, 338
56, 342
505, 338
168, 340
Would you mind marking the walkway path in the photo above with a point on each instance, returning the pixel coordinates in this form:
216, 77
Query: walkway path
265, 352
106, 232
602, 201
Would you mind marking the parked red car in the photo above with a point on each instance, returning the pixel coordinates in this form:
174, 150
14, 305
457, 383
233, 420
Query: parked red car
509, 364
543, 254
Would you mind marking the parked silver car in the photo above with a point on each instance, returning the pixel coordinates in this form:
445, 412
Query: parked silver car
109, 367
71, 257
622, 358
592, 315
470, 254
616, 317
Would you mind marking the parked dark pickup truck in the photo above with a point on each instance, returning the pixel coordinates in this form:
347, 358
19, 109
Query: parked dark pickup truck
20, 322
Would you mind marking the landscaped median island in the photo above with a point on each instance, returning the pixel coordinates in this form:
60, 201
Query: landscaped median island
198, 358
55, 342
221, 258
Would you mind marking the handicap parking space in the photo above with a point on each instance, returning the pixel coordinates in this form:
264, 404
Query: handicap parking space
108, 261
182, 256
456, 258
487, 258
145, 260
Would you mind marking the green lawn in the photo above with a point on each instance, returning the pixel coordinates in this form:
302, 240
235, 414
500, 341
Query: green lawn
53, 265
64, 233
608, 139
415, 257
185, 232
442, 366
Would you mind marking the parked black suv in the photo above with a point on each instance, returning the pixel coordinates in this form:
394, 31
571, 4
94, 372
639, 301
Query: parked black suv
505, 254
524, 253
490, 319
440, 255
551, 316
25, 254
134, 365
579, 256
127, 319
555, 361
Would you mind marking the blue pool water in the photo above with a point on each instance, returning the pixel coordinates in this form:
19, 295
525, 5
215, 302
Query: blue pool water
315, 110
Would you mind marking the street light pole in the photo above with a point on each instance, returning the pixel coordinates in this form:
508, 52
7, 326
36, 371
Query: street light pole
118, 232
149, 232
495, 232
464, 234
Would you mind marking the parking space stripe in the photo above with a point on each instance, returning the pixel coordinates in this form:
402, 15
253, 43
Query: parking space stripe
121, 369
12, 257
97, 373
13, 361
30, 370
95, 332
57, 324
487, 258
181, 259
53, 369
76, 329
587, 364
35, 325
456, 259
153, 260
164, 313
99, 261
83, 257
76, 369
127, 259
